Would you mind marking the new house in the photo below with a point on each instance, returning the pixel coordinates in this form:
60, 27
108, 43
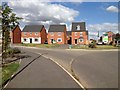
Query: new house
35, 34
57, 34
79, 33
15, 35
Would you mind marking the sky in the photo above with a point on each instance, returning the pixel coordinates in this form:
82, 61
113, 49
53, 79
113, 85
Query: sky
99, 16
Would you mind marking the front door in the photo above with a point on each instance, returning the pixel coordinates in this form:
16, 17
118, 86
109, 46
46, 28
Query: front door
75, 41
52, 41
30, 40
69, 41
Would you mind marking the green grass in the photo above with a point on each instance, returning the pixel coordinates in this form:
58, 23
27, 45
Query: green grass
79, 47
8, 70
41, 45
97, 47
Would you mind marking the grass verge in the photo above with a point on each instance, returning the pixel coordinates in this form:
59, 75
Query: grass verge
97, 47
41, 45
8, 70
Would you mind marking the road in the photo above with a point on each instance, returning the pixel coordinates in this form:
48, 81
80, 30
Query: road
93, 69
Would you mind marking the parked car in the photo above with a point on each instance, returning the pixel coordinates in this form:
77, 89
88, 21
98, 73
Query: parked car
45, 42
100, 43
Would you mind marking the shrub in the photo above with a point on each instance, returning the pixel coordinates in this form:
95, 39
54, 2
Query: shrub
10, 52
16, 50
92, 44
111, 43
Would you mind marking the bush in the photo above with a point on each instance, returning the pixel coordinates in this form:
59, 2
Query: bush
10, 52
111, 43
92, 44
16, 50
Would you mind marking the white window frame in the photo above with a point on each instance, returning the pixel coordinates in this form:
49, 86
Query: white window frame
36, 33
59, 33
25, 33
59, 39
75, 33
24, 39
81, 39
37, 39
52, 33
81, 33
30, 33
78, 27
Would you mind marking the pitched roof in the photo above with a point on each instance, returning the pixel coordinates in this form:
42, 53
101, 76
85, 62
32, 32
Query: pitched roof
57, 28
81, 24
33, 28
68, 33
15, 28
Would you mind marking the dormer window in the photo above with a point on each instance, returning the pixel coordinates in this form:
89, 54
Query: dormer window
78, 27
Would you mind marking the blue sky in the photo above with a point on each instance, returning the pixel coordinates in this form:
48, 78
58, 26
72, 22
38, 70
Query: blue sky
93, 12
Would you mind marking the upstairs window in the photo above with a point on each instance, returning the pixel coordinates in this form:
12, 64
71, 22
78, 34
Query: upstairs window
75, 33
25, 33
81, 33
78, 27
51, 33
59, 33
30, 33
36, 33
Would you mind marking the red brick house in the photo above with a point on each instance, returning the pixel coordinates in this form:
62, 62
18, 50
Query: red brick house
35, 34
79, 33
15, 35
57, 34
110, 36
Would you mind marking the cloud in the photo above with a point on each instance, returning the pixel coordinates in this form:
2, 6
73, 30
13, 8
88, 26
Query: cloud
112, 9
104, 27
37, 12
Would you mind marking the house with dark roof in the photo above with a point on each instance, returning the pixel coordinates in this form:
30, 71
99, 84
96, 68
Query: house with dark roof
35, 34
57, 34
79, 33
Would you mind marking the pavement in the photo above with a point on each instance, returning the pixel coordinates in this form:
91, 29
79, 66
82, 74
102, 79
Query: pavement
41, 73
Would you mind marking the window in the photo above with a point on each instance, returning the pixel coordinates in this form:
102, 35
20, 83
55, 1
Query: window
59, 33
81, 40
36, 40
75, 33
59, 40
30, 33
81, 33
25, 33
25, 39
51, 33
78, 27
36, 33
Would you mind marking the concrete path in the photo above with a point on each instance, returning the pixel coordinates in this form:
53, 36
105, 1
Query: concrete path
41, 73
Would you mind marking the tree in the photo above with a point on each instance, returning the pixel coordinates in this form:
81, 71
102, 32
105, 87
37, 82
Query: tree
9, 21
117, 36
